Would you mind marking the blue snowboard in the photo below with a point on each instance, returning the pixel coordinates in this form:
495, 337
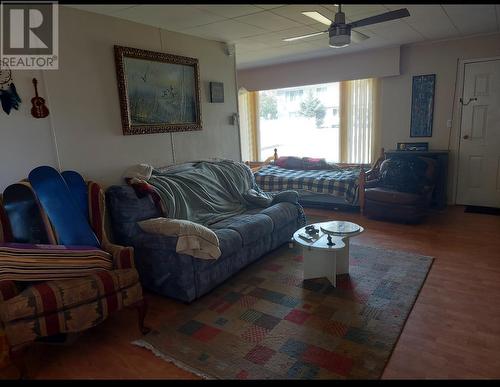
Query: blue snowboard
78, 189
25, 216
71, 226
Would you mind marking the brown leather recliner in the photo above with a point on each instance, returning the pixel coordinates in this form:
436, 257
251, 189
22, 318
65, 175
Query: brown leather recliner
401, 189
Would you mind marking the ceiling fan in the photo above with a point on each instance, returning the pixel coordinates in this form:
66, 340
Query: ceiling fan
341, 33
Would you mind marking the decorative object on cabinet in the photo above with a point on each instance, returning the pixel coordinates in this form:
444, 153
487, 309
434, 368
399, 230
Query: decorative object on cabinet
158, 92
216, 92
8, 93
422, 105
413, 146
38, 109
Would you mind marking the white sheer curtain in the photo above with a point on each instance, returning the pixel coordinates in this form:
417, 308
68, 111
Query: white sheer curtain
359, 129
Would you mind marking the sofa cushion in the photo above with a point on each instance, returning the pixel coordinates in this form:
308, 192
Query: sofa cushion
229, 241
380, 194
52, 296
250, 227
281, 214
25, 262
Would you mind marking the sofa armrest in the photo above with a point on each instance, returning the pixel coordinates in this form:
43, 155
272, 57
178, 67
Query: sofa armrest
161, 268
289, 196
154, 241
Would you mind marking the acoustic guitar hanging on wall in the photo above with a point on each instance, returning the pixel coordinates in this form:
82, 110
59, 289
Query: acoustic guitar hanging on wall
38, 110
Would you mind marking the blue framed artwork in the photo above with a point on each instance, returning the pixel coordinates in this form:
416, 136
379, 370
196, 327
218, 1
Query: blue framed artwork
422, 105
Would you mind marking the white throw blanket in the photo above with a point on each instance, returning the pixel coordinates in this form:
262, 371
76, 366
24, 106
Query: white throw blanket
138, 173
192, 238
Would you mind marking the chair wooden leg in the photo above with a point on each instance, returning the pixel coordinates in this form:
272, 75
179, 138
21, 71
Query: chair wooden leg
142, 308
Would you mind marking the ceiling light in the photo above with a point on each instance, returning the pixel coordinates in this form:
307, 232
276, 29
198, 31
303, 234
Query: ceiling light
338, 41
340, 36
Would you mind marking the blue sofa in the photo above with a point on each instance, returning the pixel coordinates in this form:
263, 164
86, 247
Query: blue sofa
243, 239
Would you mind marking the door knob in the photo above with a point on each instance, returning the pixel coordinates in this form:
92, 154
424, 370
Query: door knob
466, 137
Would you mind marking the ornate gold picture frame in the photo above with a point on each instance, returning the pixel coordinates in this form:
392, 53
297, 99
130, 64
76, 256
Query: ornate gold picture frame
158, 92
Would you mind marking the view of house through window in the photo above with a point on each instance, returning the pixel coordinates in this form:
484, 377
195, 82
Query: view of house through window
300, 121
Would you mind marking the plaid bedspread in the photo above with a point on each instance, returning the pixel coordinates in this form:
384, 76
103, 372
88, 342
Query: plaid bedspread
341, 183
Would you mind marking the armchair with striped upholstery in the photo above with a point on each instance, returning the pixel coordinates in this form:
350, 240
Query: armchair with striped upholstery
52, 289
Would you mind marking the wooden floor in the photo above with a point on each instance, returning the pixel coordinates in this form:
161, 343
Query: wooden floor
453, 330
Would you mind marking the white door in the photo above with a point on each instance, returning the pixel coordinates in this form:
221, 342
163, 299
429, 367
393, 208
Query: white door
479, 154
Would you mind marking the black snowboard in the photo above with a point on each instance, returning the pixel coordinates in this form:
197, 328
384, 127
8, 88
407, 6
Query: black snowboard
25, 217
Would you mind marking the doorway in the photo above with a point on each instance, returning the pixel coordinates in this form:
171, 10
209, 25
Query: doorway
479, 149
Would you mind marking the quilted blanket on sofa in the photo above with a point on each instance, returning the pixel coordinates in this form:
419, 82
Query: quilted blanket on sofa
211, 191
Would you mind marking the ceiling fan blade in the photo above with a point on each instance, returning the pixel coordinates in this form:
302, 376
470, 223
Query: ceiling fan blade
358, 37
318, 17
392, 15
302, 36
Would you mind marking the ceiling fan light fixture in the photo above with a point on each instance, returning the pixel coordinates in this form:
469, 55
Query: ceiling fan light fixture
339, 41
340, 36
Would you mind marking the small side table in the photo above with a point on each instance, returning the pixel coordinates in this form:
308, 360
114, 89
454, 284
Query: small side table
328, 253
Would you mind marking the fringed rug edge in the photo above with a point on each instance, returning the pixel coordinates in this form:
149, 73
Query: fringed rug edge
144, 344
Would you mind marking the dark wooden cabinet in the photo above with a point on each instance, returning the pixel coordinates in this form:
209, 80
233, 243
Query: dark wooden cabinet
439, 199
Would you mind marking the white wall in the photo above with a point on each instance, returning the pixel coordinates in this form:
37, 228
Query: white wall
359, 65
84, 108
25, 142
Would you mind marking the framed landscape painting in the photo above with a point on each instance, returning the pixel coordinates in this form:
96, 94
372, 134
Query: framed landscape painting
158, 92
422, 105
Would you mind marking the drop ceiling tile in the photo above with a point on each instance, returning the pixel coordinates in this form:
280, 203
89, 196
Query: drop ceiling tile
230, 10
268, 21
274, 39
360, 11
103, 9
173, 17
245, 46
227, 31
354, 12
473, 19
294, 12
269, 6
395, 31
429, 20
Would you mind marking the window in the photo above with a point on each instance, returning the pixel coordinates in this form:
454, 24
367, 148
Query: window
293, 95
335, 121
303, 124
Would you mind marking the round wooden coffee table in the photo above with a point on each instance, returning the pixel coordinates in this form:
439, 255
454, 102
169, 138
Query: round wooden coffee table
327, 253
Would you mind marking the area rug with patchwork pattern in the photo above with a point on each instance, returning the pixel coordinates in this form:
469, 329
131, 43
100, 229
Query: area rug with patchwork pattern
266, 322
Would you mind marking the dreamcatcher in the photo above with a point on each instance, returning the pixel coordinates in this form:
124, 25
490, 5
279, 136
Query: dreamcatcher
8, 93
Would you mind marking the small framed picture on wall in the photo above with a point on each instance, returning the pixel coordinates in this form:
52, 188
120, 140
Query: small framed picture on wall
216, 92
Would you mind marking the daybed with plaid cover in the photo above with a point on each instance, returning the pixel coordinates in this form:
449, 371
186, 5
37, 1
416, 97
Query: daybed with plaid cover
32, 309
339, 182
